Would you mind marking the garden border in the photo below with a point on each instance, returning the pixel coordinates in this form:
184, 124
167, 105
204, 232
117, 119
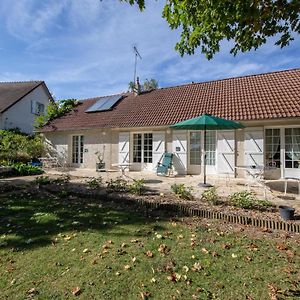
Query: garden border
202, 213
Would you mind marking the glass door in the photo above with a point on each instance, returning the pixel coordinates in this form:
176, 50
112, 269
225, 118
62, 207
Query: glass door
77, 149
143, 150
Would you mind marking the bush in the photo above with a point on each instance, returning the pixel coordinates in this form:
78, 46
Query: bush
118, 185
94, 183
137, 187
248, 200
20, 147
62, 179
182, 191
211, 195
20, 169
42, 180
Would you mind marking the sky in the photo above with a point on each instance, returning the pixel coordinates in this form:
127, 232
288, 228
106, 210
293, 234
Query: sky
84, 48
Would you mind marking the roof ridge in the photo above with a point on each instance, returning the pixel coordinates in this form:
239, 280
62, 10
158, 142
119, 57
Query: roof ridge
229, 78
99, 97
22, 81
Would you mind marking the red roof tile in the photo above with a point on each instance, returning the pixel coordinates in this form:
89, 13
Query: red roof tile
257, 97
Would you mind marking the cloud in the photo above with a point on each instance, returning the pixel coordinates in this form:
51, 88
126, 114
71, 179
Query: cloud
84, 48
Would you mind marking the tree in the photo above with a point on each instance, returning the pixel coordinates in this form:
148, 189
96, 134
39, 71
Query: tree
248, 23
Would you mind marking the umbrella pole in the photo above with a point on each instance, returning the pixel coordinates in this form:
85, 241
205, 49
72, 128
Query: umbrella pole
204, 163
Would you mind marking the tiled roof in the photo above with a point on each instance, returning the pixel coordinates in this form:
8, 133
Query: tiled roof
12, 92
257, 97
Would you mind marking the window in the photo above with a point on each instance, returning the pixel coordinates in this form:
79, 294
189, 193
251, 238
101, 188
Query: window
272, 147
77, 149
37, 108
292, 147
195, 148
148, 148
142, 147
137, 148
210, 148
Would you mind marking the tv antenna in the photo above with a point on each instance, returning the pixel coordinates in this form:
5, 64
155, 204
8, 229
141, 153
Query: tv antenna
136, 56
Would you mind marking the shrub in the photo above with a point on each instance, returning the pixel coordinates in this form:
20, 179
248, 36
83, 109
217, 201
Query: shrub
248, 200
137, 187
20, 147
118, 185
42, 180
211, 195
182, 191
23, 169
94, 183
62, 179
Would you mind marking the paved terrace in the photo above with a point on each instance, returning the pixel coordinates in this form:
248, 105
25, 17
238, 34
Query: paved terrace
225, 186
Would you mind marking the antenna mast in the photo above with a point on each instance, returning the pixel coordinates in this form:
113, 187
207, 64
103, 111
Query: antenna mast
136, 55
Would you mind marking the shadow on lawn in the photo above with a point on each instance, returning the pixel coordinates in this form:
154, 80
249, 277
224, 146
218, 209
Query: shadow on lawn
30, 219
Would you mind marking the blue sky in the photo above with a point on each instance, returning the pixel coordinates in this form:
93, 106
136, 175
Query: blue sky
83, 48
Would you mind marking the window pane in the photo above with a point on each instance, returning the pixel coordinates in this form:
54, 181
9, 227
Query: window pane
272, 149
195, 148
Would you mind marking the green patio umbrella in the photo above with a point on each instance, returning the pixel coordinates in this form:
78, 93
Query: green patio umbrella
206, 122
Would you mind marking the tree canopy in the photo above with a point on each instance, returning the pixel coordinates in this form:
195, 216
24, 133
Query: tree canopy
248, 23
148, 85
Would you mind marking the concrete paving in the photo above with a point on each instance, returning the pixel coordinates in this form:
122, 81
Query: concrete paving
225, 186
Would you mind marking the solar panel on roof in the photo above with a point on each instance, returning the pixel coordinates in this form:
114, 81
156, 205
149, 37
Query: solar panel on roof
105, 103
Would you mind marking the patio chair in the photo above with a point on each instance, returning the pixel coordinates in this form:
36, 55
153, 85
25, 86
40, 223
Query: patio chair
165, 164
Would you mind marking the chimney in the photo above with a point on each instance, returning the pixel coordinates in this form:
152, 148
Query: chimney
137, 89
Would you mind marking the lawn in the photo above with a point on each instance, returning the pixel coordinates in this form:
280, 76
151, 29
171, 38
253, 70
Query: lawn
52, 248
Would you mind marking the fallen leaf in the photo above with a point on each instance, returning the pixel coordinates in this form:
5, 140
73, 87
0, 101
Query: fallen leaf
153, 280
204, 250
233, 255
127, 267
196, 267
281, 246
76, 291
226, 246
124, 245
133, 259
273, 291
86, 250
248, 258
163, 249
253, 247
117, 273
185, 269
149, 254
31, 292
145, 295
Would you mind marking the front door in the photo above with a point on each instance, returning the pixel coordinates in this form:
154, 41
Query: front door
142, 152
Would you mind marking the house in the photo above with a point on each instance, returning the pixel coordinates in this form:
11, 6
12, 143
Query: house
135, 127
21, 102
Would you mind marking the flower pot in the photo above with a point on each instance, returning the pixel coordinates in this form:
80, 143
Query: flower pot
100, 166
286, 212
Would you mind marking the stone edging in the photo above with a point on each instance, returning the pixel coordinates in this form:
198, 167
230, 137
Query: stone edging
203, 212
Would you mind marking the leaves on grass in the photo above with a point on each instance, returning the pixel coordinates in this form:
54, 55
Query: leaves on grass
76, 291
281, 246
226, 246
175, 277
163, 249
145, 295
273, 291
204, 250
32, 292
127, 267
149, 254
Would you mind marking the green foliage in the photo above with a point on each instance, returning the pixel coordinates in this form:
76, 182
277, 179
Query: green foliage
118, 185
182, 191
248, 200
42, 180
148, 85
95, 183
62, 179
55, 110
137, 187
20, 169
16, 146
204, 24
211, 195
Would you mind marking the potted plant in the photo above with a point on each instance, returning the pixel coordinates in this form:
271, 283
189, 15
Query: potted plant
100, 165
286, 212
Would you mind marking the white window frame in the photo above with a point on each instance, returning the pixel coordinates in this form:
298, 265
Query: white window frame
142, 133
79, 149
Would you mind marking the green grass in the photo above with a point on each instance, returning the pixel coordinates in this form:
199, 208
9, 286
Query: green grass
55, 245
